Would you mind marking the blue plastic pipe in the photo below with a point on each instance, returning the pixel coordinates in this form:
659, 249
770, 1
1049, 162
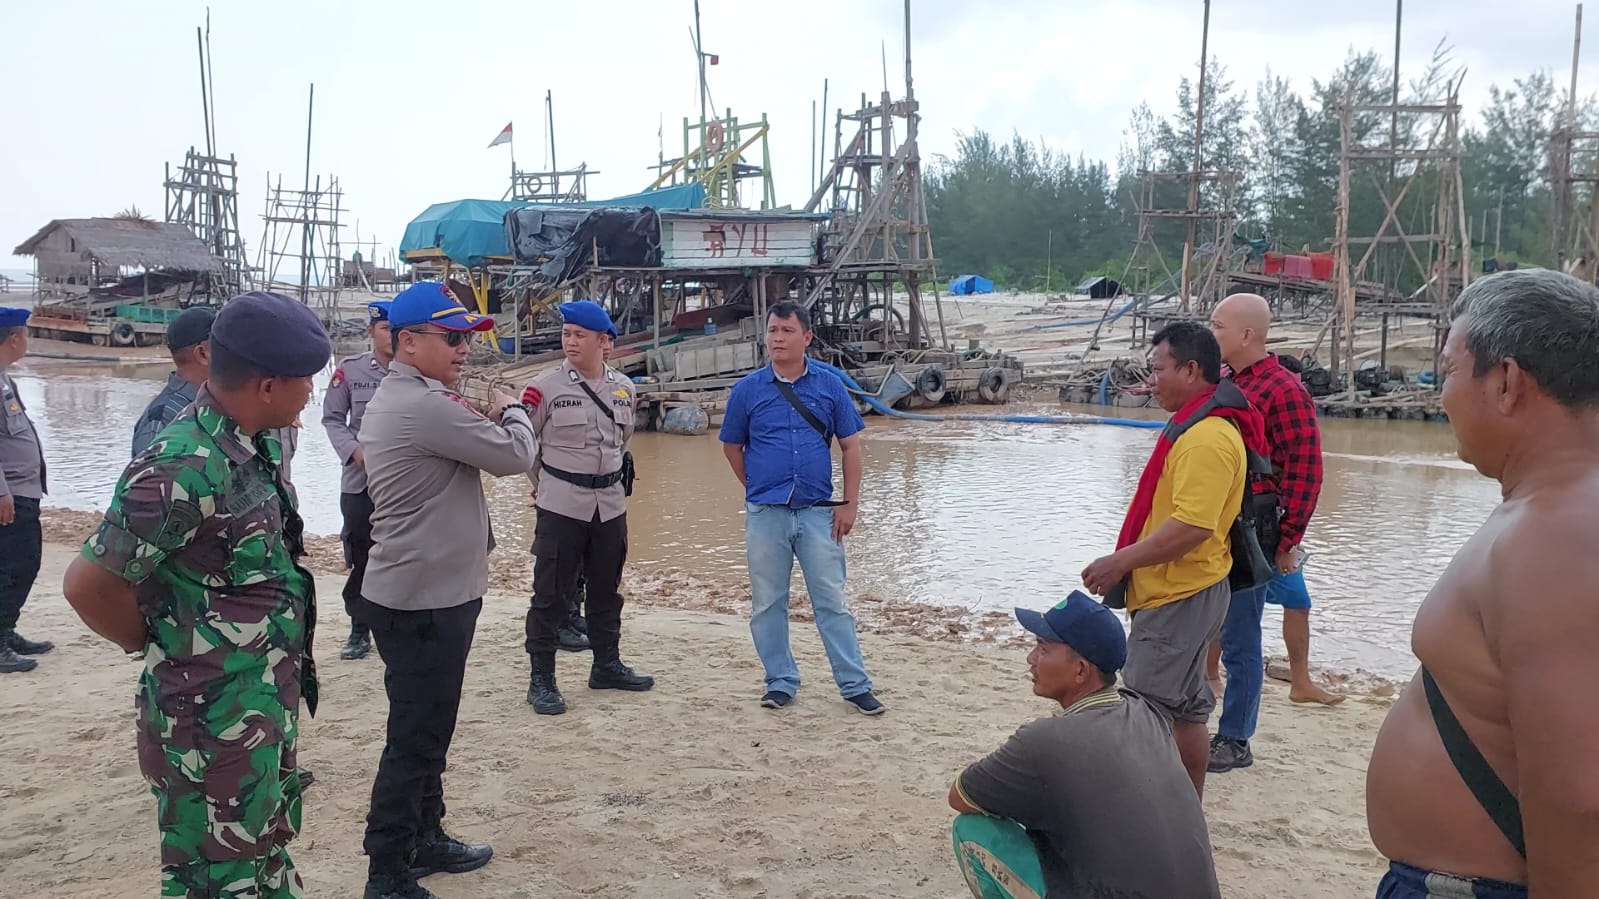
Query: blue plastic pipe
885, 409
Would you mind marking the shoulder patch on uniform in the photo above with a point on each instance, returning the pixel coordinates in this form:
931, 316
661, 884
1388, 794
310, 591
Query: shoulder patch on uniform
572, 375
532, 396
462, 401
338, 377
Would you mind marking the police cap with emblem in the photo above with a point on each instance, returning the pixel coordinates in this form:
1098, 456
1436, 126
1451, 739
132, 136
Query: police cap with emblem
277, 334
431, 303
589, 315
378, 311
191, 327
11, 317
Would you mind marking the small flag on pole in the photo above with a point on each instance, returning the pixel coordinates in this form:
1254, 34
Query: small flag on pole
713, 59
503, 138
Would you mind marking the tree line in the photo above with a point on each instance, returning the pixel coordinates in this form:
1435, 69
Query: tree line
1027, 215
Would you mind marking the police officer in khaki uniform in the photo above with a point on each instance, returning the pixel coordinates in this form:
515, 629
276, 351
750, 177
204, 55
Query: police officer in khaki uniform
426, 448
354, 383
22, 483
583, 416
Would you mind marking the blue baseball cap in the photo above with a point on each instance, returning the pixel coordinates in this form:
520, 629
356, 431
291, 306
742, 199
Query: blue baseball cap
587, 314
378, 311
12, 317
431, 303
1081, 622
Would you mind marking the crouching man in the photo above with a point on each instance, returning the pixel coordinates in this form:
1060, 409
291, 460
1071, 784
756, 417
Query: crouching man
1091, 801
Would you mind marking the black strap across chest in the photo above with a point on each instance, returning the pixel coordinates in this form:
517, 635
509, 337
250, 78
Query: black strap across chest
1490, 792
787, 390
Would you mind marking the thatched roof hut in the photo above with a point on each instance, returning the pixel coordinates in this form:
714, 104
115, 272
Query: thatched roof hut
88, 251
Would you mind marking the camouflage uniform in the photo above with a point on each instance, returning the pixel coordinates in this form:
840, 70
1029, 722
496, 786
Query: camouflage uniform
203, 524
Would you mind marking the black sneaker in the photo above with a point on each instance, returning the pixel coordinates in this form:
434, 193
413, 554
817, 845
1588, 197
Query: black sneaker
305, 777
22, 646
867, 703
11, 663
357, 647
1227, 754
440, 853
776, 699
395, 886
570, 639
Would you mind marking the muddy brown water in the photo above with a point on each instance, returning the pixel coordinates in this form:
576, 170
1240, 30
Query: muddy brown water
978, 515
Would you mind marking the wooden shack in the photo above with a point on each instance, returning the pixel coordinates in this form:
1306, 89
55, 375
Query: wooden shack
73, 255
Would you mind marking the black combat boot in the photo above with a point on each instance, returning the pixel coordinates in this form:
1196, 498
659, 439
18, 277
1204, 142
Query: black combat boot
439, 853
609, 673
542, 693
359, 644
389, 878
22, 646
11, 663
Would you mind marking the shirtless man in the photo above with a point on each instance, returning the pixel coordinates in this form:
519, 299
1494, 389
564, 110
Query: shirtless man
1509, 631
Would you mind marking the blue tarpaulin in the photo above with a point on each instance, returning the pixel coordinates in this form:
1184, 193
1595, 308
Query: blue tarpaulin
467, 231
969, 284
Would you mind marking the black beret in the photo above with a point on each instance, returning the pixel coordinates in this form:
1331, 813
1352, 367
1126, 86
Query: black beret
276, 333
191, 327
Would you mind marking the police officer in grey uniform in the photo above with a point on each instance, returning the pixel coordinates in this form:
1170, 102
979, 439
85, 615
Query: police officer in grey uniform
354, 383
189, 342
22, 483
426, 448
583, 415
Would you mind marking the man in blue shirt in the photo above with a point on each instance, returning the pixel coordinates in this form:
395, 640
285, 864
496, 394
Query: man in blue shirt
777, 433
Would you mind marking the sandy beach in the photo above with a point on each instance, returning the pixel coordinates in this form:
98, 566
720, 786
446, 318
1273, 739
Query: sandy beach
690, 792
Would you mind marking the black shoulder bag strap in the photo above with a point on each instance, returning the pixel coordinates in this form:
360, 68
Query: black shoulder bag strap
787, 390
628, 472
604, 406
1490, 792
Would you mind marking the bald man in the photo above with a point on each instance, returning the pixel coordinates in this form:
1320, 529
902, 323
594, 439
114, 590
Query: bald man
1240, 323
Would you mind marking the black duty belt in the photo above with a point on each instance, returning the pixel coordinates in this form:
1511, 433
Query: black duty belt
590, 481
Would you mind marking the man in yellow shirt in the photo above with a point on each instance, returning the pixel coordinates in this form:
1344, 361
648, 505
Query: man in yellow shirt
1173, 556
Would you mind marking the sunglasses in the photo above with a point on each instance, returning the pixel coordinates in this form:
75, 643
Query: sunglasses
453, 338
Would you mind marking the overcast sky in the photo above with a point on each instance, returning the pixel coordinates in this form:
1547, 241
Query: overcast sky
408, 95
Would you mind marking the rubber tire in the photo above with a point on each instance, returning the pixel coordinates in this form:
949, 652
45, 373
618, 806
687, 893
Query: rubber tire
931, 385
122, 334
993, 386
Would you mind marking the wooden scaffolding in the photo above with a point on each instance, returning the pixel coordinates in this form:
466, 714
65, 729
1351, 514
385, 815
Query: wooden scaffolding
1423, 149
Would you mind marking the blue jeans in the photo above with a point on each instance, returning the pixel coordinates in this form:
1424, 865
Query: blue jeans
1242, 654
774, 536
1243, 657
1407, 882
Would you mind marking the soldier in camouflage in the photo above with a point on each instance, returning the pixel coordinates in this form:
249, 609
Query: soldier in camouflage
194, 567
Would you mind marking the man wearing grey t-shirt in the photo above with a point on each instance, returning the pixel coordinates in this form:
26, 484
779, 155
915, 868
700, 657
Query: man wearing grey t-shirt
1093, 801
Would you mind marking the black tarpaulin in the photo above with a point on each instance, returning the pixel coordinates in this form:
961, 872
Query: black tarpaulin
563, 241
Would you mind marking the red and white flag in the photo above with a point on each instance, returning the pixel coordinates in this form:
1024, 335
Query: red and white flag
503, 138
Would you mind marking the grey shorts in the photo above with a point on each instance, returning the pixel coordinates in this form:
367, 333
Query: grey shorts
1166, 653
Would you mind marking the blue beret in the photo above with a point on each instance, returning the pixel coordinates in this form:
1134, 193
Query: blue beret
378, 310
11, 317
1083, 624
276, 333
587, 314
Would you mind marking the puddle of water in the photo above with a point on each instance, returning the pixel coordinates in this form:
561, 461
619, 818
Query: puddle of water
979, 515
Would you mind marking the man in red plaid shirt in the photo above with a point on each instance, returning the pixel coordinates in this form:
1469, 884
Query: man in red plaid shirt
1240, 323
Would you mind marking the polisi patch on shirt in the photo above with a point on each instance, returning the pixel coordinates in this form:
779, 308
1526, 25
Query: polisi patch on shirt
532, 396
566, 403
338, 378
